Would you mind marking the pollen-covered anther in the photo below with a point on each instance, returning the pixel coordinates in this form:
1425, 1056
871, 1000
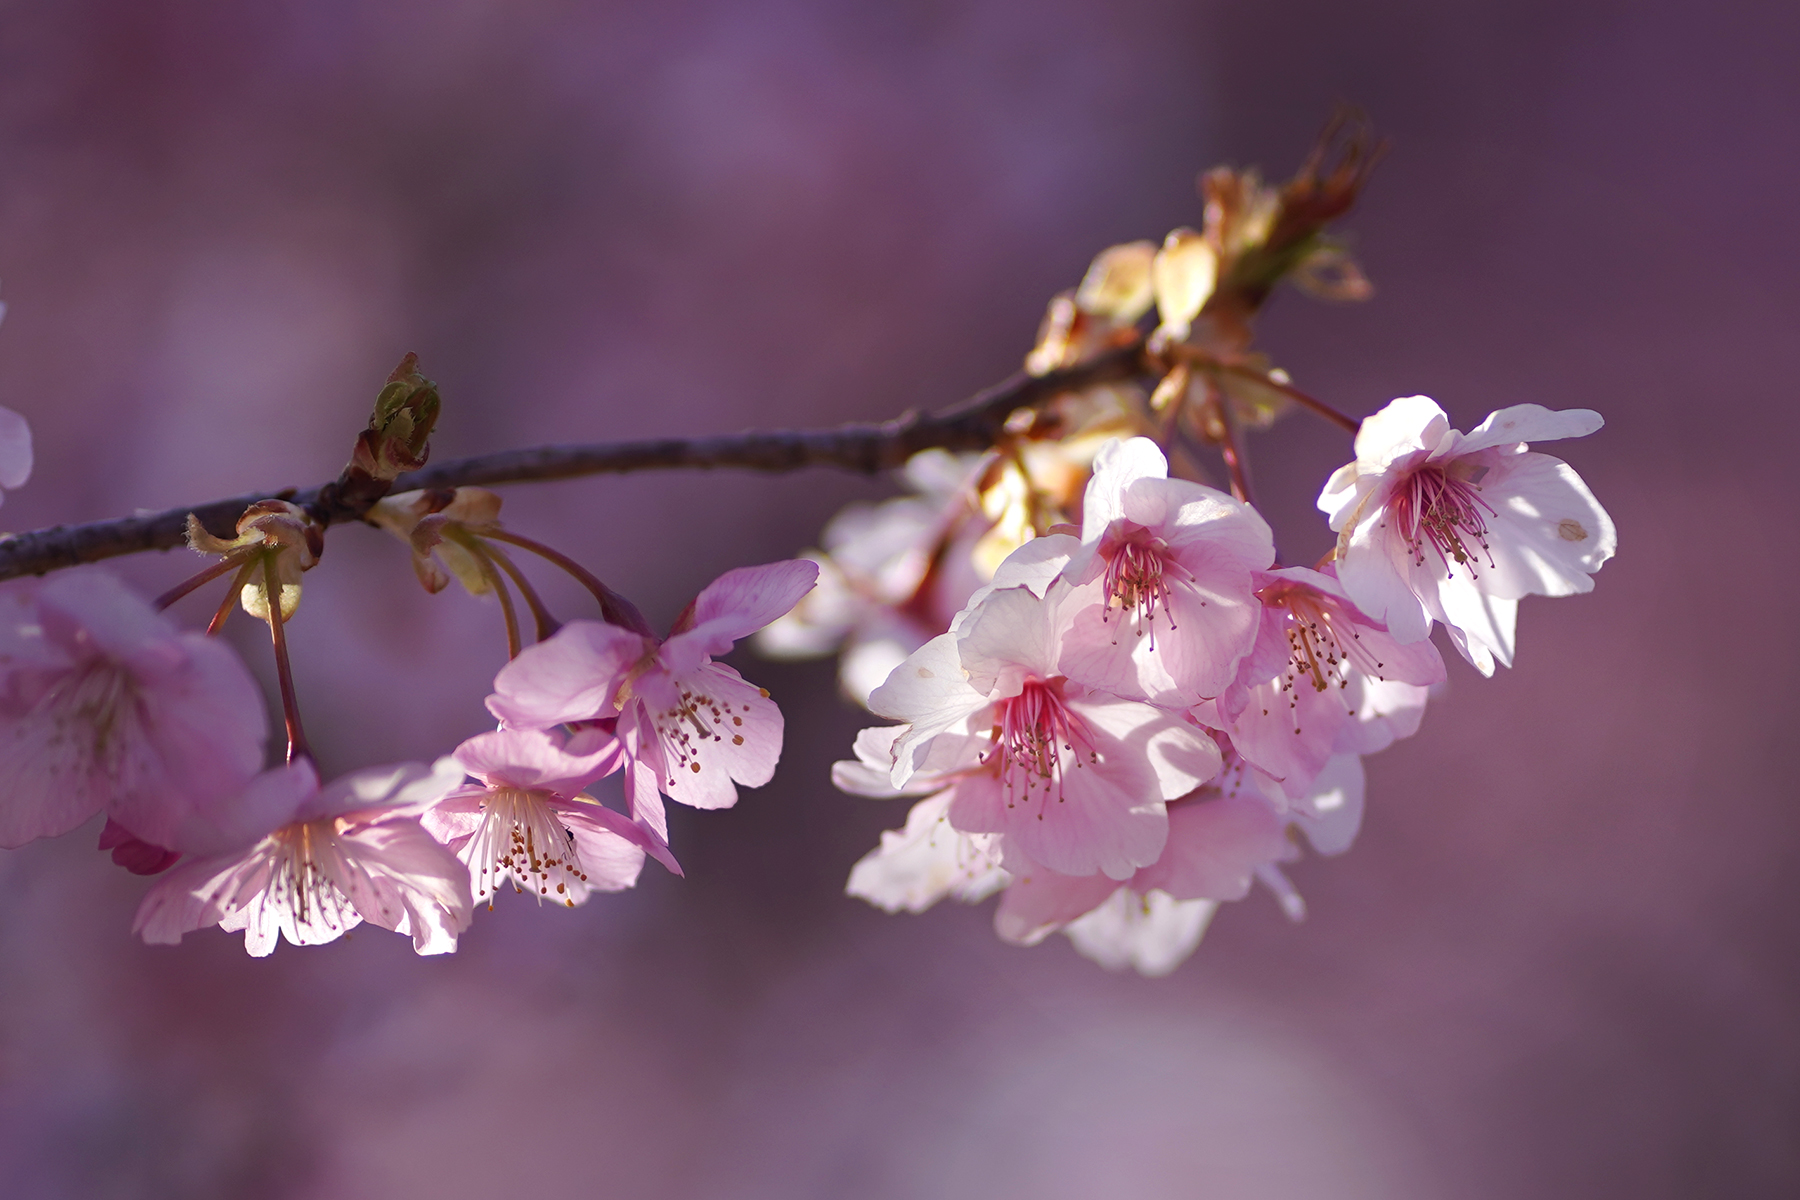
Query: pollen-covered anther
521, 840
1037, 738
1444, 508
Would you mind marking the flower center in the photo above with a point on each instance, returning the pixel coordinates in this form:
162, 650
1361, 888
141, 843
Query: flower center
299, 887
521, 839
1323, 642
1035, 732
1137, 572
96, 715
1444, 508
695, 720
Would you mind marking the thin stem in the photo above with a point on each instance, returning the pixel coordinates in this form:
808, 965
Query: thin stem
474, 547
614, 608
1318, 407
231, 598
1231, 446
183, 588
547, 625
284, 672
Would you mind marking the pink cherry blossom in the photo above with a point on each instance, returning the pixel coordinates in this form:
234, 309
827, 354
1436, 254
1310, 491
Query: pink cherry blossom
687, 727
530, 823
1434, 524
1076, 777
1315, 668
336, 856
1163, 576
104, 705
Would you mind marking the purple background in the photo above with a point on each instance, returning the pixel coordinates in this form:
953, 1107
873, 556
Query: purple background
1559, 962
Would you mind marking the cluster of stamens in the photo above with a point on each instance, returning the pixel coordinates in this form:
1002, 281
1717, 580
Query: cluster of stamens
298, 887
1445, 510
1035, 730
696, 720
1135, 569
1323, 643
521, 839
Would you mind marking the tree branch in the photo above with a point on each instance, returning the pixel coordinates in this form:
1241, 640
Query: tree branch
869, 448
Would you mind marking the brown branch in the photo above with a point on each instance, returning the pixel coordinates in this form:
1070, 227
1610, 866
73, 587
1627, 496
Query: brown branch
868, 448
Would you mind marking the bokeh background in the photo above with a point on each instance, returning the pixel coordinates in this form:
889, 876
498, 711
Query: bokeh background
1559, 963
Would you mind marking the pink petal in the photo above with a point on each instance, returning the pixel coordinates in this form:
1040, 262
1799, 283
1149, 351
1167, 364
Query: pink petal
611, 846
733, 606
1215, 846
1038, 902
1117, 466
572, 676
737, 738
534, 758
1524, 423
1405, 427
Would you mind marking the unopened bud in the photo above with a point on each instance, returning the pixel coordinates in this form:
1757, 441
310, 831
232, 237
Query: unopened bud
399, 432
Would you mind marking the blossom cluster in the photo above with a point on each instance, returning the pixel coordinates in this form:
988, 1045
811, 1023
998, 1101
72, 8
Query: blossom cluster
107, 708
1135, 721
1114, 704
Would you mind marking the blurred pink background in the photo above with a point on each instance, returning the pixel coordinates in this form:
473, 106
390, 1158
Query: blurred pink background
1560, 961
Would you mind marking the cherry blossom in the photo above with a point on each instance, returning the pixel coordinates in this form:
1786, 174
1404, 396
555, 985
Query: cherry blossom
105, 705
1079, 776
1163, 577
1435, 524
530, 823
332, 858
1318, 666
687, 727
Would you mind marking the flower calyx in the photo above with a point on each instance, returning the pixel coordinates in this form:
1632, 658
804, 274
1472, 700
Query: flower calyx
269, 529
440, 525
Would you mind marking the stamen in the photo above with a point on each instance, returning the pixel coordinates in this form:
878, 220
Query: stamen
1036, 738
1137, 572
1435, 506
520, 839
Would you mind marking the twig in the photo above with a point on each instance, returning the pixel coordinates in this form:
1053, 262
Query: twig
869, 448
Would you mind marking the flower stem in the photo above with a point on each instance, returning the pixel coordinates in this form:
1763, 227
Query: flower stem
547, 625
1231, 446
614, 608
183, 588
284, 671
231, 599
1317, 407
507, 612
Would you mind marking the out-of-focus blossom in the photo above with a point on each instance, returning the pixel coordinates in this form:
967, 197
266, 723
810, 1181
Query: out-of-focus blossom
530, 823
334, 857
930, 858
687, 726
104, 705
1081, 774
1163, 598
1434, 524
891, 575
